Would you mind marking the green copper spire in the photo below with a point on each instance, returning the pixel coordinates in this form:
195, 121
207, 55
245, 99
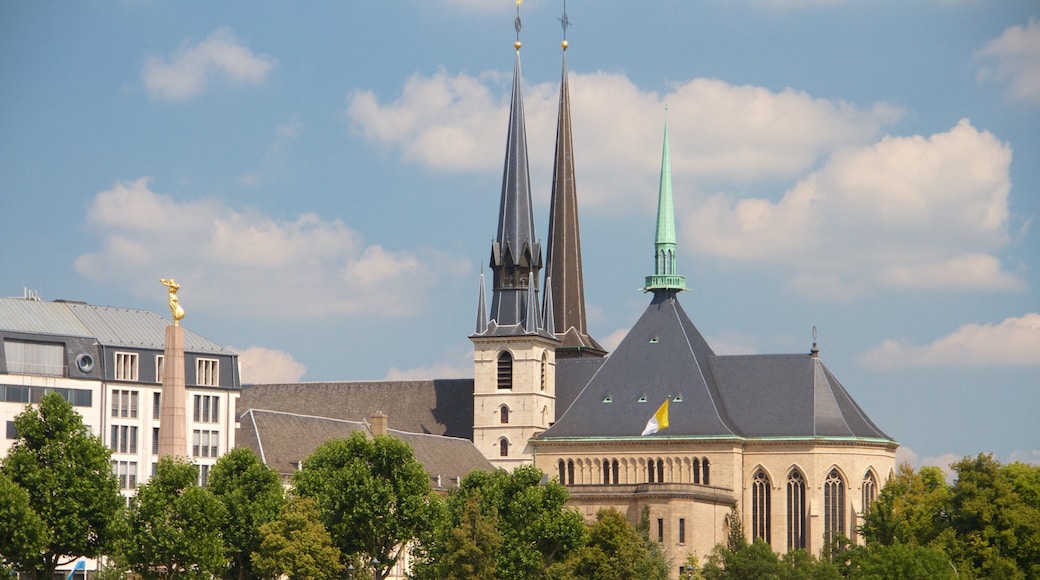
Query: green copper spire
665, 277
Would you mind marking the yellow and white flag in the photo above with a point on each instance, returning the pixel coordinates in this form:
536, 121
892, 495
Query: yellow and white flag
658, 421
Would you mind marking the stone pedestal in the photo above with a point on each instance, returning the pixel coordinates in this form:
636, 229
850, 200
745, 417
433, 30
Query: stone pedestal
173, 421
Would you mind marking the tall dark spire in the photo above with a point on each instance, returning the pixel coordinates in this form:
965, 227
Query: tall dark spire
563, 256
516, 255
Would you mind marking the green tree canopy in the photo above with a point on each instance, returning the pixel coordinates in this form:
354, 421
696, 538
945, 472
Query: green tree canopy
615, 551
373, 495
252, 495
174, 526
23, 535
296, 545
531, 517
68, 475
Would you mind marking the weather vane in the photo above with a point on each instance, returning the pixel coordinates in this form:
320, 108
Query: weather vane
516, 24
565, 22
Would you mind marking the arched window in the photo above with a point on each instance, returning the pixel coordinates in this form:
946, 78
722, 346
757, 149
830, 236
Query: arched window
570, 472
606, 472
795, 511
669, 265
503, 415
761, 506
563, 471
660, 471
869, 491
704, 467
545, 369
503, 447
696, 470
650, 471
616, 471
833, 506
505, 370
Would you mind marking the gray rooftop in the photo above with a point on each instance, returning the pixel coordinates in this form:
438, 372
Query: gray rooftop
108, 325
664, 357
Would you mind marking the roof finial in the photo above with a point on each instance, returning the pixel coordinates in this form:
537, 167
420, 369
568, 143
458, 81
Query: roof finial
565, 22
517, 25
815, 352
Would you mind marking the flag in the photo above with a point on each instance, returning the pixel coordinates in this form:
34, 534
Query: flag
80, 564
658, 421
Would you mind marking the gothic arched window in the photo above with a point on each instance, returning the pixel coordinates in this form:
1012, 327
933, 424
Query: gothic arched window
570, 472
696, 470
761, 506
704, 467
869, 491
503, 447
833, 506
505, 370
563, 471
795, 511
545, 369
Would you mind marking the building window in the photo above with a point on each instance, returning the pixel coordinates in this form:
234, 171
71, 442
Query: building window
126, 473
505, 371
660, 471
27, 394
660, 529
160, 368
503, 415
156, 405
869, 491
649, 470
207, 372
205, 443
126, 366
615, 469
833, 506
545, 369
124, 439
124, 404
682, 530
12, 432
760, 506
570, 472
203, 475
34, 358
696, 470
563, 471
606, 472
503, 447
704, 468
206, 409
155, 440
795, 511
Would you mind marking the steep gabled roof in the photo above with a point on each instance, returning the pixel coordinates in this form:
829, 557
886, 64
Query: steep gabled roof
664, 357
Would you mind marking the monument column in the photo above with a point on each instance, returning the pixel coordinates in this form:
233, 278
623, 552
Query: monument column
173, 435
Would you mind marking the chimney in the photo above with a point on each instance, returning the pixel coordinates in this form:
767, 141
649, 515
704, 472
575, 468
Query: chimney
378, 423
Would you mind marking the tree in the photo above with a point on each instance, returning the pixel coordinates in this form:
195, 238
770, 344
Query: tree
472, 546
373, 495
615, 551
296, 545
67, 473
24, 535
252, 495
173, 526
877, 561
912, 508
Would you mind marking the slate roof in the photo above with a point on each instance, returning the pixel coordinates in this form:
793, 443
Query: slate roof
284, 440
436, 406
664, 357
108, 325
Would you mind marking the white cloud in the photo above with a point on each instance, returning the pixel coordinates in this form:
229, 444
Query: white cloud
1015, 341
612, 340
1014, 58
455, 364
1032, 457
906, 212
248, 264
274, 157
220, 56
718, 130
259, 365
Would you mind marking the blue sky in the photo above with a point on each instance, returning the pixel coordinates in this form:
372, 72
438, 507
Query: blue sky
323, 179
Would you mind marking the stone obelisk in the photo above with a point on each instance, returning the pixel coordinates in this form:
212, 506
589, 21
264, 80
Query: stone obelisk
173, 423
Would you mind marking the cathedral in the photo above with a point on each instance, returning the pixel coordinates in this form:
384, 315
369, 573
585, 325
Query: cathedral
662, 425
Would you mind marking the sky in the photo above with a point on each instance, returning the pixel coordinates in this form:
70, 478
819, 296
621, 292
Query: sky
323, 181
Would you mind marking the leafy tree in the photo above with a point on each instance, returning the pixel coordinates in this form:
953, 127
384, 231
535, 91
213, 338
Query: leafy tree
296, 545
23, 535
252, 496
615, 551
67, 473
749, 562
471, 547
877, 562
373, 495
536, 527
912, 508
174, 526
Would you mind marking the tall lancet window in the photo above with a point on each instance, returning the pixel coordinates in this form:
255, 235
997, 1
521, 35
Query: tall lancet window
795, 511
833, 506
545, 369
761, 506
869, 491
505, 370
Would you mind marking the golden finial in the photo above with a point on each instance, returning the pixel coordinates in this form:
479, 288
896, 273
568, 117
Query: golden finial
565, 22
175, 305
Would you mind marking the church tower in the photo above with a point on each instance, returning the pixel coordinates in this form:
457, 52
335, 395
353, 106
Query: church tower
514, 346
563, 270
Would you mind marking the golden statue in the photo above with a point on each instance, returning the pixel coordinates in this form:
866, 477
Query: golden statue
175, 306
